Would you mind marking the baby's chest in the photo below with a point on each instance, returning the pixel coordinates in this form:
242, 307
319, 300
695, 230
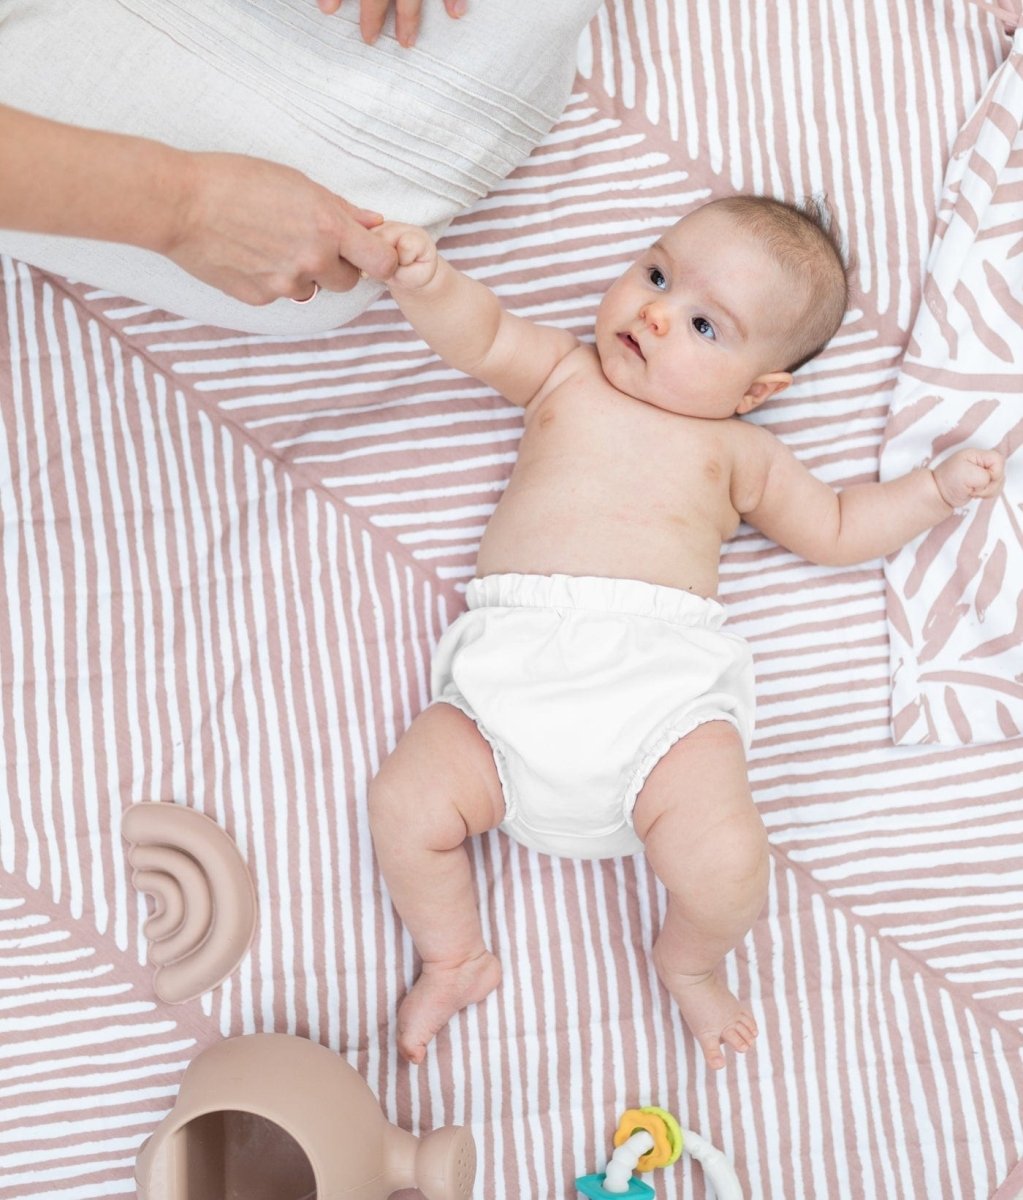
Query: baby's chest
629, 445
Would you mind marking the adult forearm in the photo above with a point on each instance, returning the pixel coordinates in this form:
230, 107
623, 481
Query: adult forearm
875, 519
61, 179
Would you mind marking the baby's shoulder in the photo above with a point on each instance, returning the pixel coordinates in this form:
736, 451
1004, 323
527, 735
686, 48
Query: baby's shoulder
753, 449
579, 366
581, 361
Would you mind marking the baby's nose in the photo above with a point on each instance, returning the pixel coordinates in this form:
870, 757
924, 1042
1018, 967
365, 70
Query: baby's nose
655, 316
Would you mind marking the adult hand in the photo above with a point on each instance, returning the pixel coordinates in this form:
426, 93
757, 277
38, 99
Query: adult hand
260, 231
373, 13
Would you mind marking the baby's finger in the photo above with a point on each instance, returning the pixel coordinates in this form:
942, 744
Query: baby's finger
990, 470
328, 6
410, 246
991, 488
996, 467
456, 8
987, 460
392, 231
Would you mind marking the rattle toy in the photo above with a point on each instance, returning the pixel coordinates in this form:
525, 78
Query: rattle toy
647, 1138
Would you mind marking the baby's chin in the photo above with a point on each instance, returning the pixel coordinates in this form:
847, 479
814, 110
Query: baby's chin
632, 392
628, 388
677, 406
627, 383
613, 376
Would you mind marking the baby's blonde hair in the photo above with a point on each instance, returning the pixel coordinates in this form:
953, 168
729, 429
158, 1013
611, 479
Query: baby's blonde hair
803, 240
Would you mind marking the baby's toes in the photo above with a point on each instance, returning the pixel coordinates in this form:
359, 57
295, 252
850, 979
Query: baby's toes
710, 1044
738, 1036
412, 1051
746, 1024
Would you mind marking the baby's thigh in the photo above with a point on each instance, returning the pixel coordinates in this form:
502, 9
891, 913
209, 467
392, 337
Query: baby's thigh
695, 813
439, 785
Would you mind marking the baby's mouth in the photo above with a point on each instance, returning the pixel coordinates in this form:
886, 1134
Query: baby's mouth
628, 340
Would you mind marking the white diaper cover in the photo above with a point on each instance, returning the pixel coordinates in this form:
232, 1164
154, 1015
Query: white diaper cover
580, 685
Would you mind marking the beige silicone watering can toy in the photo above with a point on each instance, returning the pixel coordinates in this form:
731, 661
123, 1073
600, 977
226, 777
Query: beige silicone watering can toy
274, 1117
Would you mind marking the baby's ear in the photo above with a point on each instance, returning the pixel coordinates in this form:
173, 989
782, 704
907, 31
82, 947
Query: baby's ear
763, 388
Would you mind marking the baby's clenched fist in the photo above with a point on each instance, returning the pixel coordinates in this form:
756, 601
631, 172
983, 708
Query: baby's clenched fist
969, 475
417, 255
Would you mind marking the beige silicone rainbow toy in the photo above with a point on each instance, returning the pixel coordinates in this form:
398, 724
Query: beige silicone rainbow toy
205, 903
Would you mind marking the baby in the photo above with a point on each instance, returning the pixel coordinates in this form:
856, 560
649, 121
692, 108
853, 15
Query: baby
589, 702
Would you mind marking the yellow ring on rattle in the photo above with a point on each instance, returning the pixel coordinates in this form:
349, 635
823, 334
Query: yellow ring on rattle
661, 1126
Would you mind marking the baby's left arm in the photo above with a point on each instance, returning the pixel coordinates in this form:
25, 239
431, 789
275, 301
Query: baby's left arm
865, 520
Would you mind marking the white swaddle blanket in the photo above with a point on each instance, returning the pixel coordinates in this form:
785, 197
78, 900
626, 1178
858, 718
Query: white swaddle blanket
418, 134
955, 606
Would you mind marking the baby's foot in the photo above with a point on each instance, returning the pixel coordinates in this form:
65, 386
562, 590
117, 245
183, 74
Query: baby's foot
712, 1013
441, 990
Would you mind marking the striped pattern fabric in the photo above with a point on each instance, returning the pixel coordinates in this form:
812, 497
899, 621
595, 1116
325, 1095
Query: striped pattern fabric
955, 614
226, 559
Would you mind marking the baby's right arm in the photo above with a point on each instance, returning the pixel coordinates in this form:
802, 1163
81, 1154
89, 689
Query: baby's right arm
463, 321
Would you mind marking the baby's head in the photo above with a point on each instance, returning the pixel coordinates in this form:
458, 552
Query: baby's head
718, 313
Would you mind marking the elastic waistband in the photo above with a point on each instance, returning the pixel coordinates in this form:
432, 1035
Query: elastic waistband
593, 593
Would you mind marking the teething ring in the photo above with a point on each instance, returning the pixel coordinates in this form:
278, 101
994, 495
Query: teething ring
661, 1126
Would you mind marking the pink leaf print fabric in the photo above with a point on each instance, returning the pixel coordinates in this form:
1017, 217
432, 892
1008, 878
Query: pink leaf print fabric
955, 610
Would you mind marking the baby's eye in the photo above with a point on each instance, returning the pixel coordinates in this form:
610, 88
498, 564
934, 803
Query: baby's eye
657, 277
704, 328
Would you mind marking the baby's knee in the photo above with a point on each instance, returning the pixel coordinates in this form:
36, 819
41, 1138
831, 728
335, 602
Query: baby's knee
726, 860
385, 806
749, 852
745, 834
406, 815
395, 811
737, 852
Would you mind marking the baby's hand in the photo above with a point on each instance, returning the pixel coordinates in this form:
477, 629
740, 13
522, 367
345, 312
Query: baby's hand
969, 475
417, 255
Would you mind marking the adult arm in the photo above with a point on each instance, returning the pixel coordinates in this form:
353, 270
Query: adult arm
866, 520
251, 228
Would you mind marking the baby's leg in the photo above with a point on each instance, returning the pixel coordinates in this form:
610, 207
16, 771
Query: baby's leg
438, 787
705, 840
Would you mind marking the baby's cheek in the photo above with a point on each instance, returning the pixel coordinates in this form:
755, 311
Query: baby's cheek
608, 367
